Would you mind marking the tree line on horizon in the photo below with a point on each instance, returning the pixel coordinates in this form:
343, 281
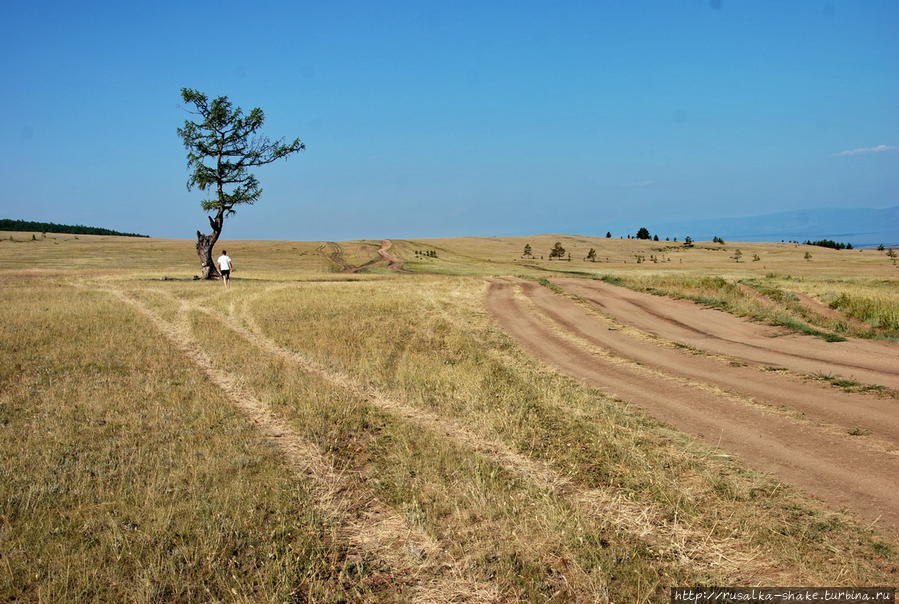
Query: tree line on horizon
558, 251
8, 224
830, 243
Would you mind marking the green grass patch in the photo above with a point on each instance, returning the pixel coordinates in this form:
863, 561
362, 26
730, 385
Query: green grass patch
550, 285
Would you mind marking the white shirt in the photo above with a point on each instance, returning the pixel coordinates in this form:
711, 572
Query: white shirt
224, 262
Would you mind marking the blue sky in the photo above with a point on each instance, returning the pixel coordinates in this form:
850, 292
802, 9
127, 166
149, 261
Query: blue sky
454, 118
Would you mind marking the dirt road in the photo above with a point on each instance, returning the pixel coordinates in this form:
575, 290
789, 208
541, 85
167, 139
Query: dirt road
869, 362
335, 255
843, 410
717, 402
394, 263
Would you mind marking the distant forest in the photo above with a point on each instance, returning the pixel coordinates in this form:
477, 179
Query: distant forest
7, 224
831, 244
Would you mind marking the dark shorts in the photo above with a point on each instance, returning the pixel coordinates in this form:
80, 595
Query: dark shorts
226, 272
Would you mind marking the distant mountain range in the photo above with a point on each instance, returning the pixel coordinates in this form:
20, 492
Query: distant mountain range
858, 226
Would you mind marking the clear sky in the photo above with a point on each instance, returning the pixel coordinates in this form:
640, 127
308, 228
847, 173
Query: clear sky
454, 118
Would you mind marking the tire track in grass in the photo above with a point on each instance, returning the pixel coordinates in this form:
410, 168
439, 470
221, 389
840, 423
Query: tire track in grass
336, 256
368, 525
725, 556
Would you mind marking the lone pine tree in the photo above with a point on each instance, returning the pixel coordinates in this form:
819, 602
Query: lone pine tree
221, 145
557, 251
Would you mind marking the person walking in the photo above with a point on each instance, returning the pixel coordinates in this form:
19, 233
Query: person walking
226, 265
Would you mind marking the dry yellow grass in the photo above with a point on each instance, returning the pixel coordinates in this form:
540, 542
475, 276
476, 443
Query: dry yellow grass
131, 472
126, 477
502, 256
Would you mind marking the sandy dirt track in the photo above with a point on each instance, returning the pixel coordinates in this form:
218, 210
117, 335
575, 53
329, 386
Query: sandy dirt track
869, 362
879, 416
841, 470
394, 263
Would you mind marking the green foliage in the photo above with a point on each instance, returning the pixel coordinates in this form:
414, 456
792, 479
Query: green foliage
549, 284
557, 251
830, 243
7, 224
608, 234
643, 233
717, 239
879, 311
688, 241
222, 145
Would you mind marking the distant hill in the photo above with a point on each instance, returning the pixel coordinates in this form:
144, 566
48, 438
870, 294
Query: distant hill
7, 224
858, 226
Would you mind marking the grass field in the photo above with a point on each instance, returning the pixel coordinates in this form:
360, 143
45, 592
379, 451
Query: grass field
314, 435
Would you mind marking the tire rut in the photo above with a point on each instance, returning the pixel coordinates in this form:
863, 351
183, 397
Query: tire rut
723, 333
839, 472
844, 411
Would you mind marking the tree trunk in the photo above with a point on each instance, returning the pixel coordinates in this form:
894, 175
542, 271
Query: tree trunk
205, 243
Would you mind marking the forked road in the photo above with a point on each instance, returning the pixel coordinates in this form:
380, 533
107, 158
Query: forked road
838, 468
384, 256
